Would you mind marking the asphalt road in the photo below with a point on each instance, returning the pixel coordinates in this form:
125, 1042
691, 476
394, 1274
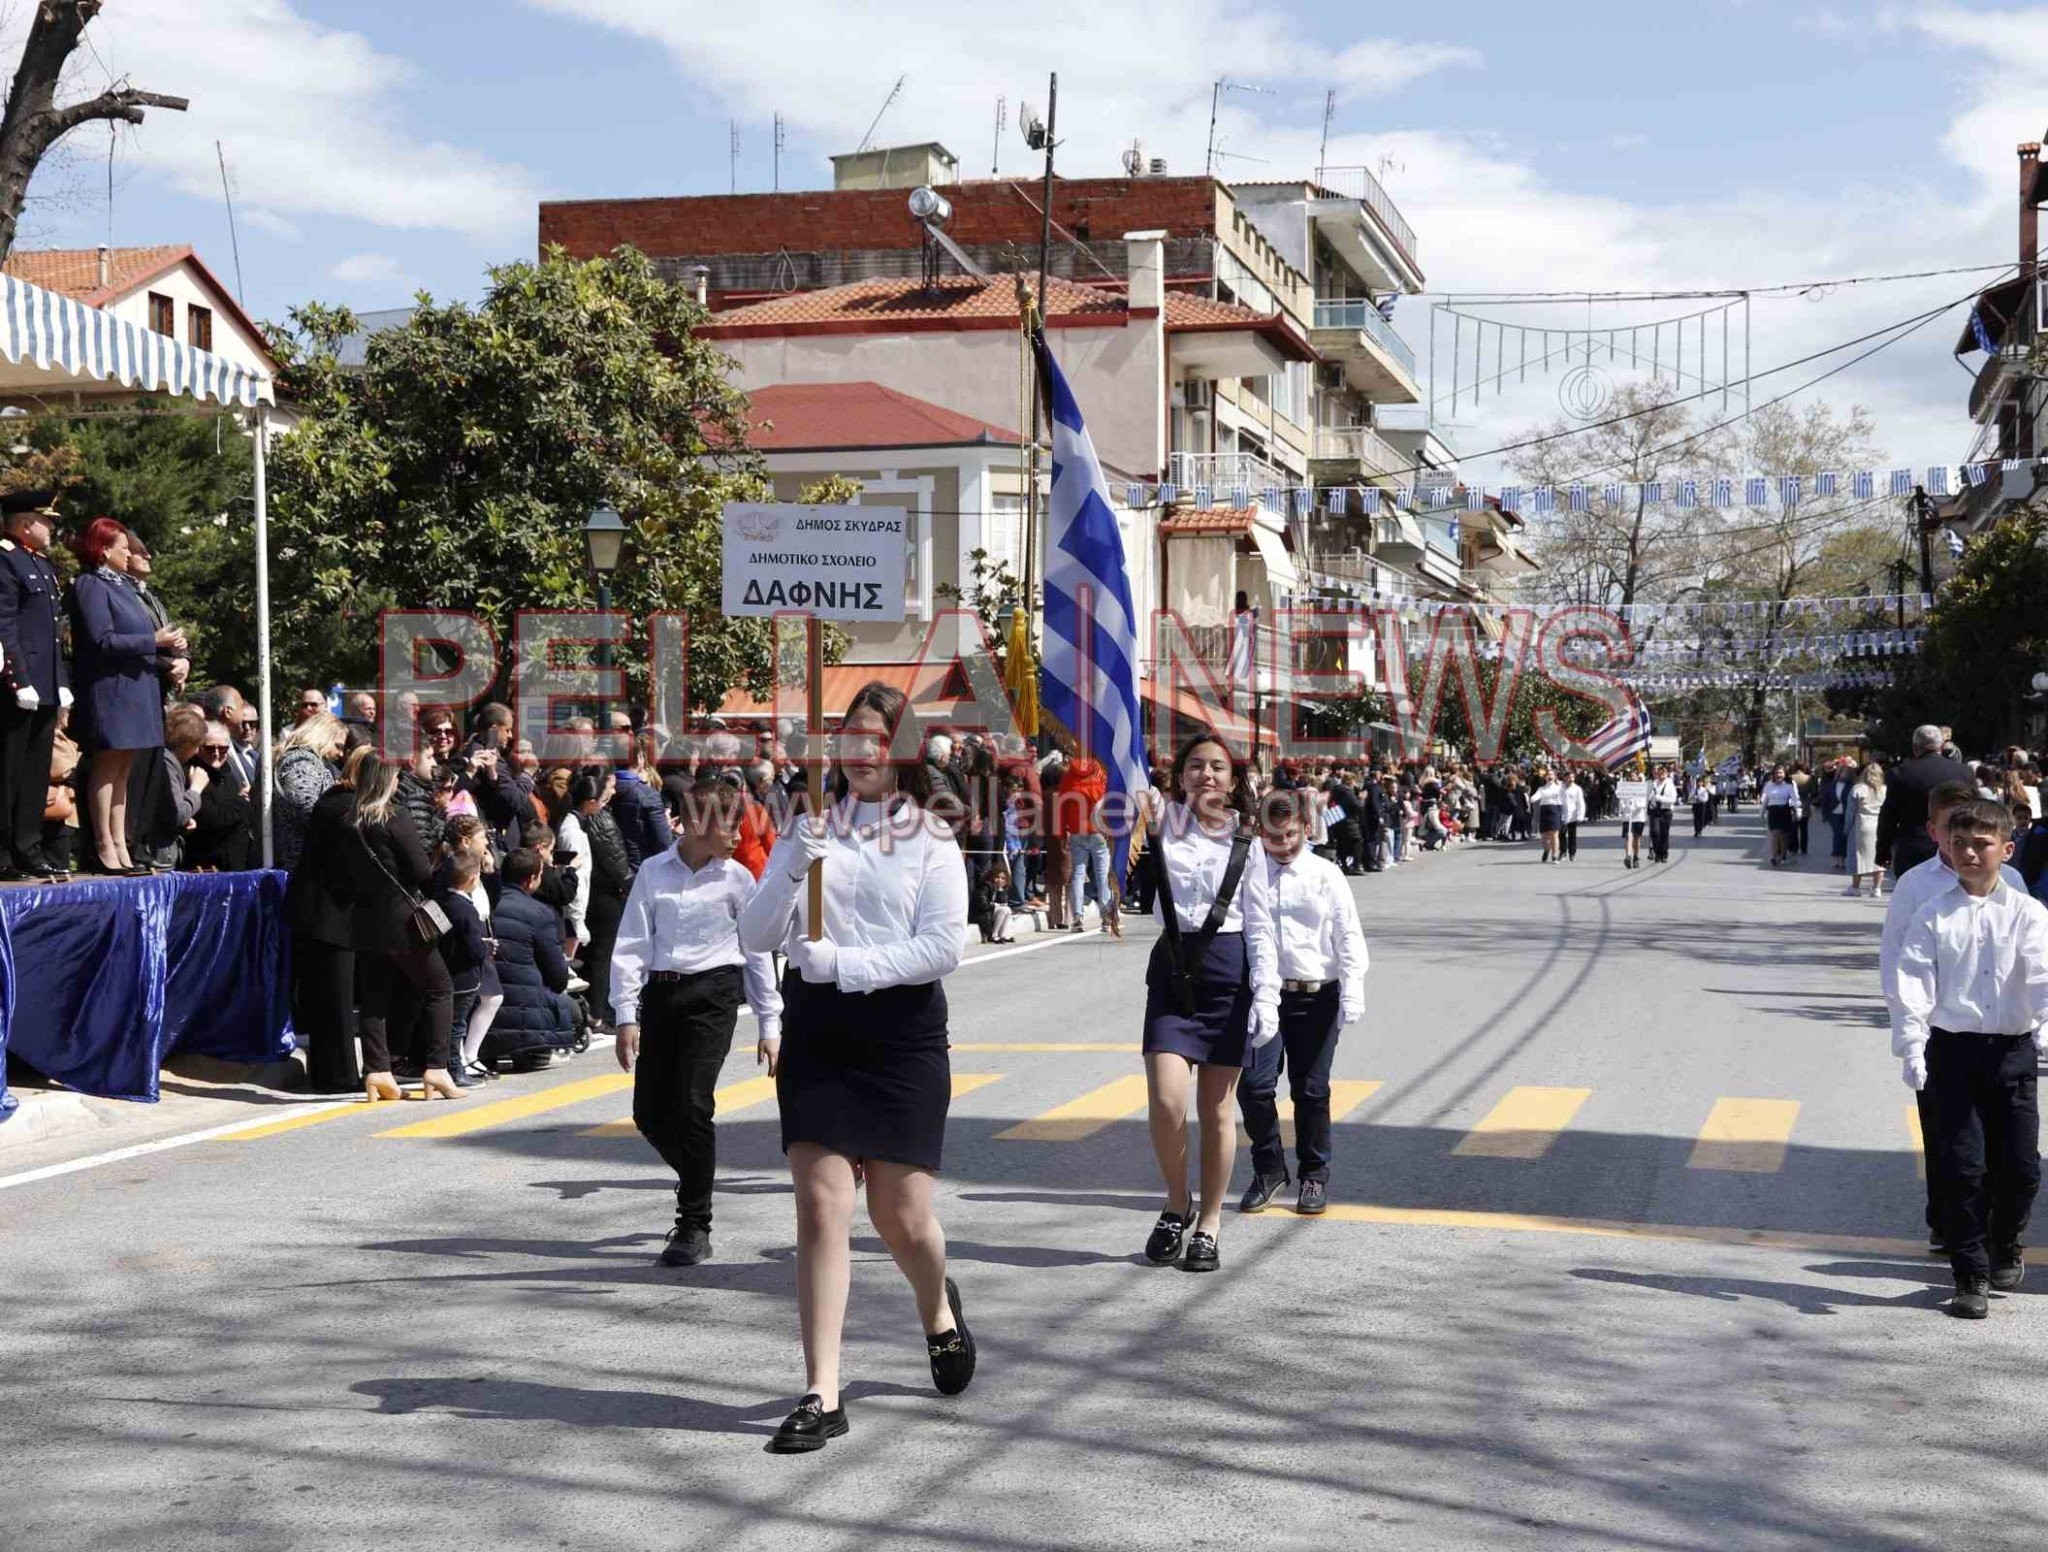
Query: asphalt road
1626, 1252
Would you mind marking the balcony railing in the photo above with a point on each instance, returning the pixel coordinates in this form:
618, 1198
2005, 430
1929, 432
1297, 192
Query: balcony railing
1357, 313
1223, 473
1360, 444
1360, 569
1358, 183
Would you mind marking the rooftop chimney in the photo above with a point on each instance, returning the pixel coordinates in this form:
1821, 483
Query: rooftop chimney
106, 266
1147, 267
703, 273
2030, 214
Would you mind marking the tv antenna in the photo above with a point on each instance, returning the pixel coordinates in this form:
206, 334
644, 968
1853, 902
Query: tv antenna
1323, 147
733, 155
228, 193
869, 138
995, 157
1216, 101
778, 152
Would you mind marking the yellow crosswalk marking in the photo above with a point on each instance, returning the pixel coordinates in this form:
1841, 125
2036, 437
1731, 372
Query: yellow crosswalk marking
734, 1096
968, 1082
1919, 1141
1346, 1095
459, 1118
1747, 1136
1524, 1124
1083, 1117
292, 1122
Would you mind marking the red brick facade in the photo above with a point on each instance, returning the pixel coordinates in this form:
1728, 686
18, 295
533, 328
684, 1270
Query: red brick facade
985, 211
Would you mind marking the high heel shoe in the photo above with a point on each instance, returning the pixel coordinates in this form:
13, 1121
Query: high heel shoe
435, 1083
381, 1085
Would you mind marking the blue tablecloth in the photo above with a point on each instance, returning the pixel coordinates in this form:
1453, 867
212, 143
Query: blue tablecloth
102, 978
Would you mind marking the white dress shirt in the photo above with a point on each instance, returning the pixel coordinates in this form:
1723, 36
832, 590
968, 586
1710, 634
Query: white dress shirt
572, 838
1781, 794
1550, 794
1196, 860
688, 920
895, 898
1315, 924
1664, 793
1974, 964
1574, 803
1915, 887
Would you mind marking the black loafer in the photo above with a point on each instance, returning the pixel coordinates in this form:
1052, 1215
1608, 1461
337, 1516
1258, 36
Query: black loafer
1261, 1191
1201, 1254
1167, 1235
686, 1247
1313, 1200
1970, 1302
809, 1427
951, 1352
2009, 1272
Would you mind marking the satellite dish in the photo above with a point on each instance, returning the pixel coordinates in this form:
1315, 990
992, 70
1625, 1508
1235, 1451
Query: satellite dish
1032, 125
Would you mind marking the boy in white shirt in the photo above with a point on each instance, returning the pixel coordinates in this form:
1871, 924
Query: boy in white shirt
1973, 991
678, 974
1322, 967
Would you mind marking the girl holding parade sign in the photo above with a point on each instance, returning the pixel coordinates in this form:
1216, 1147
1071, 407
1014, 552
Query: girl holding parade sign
1212, 989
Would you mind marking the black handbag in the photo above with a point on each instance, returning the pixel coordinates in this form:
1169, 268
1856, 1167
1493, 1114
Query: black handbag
1185, 953
426, 923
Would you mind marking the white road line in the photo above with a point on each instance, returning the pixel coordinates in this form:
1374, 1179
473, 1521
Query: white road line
186, 1139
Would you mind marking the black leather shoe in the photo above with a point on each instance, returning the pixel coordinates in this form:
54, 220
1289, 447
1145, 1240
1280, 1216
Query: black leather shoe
1313, 1200
1167, 1235
1970, 1302
1261, 1191
808, 1427
2008, 1272
686, 1247
1201, 1254
952, 1352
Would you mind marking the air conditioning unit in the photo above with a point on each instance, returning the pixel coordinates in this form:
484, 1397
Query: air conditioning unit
1198, 393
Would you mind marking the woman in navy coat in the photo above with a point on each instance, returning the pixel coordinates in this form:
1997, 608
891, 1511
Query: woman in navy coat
114, 644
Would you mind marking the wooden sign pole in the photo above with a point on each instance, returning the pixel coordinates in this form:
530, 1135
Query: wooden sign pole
814, 675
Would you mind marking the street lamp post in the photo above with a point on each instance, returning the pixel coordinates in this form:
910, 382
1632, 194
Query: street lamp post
604, 538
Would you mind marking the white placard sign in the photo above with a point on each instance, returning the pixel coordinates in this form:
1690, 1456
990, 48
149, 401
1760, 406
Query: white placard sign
837, 563
1628, 792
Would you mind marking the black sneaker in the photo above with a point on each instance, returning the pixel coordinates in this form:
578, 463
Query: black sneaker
1314, 1199
808, 1427
1201, 1255
952, 1352
1261, 1191
2008, 1271
686, 1247
1167, 1234
1937, 1246
1970, 1302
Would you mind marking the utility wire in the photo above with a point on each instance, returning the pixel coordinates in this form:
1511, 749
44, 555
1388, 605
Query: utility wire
1681, 296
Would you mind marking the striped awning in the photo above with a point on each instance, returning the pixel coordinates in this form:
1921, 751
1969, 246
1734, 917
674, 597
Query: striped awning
69, 344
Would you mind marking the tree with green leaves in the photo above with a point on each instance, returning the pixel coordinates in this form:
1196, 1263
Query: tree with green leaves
456, 467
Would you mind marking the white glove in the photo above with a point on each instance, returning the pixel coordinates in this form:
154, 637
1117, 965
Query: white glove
1914, 1071
27, 698
1265, 1024
64, 696
817, 963
1351, 1013
813, 841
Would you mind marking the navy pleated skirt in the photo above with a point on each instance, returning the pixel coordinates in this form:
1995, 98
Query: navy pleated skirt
865, 1074
1214, 1033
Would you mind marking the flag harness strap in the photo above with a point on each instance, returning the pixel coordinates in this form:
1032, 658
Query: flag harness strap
1185, 972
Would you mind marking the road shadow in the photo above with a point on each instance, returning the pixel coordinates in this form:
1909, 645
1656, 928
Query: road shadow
1801, 1298
484, 1399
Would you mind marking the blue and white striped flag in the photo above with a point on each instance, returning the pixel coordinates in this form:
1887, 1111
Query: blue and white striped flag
1304, 499
1937, 480
1902, 482
1653, 492
1688, 493
1204, 497
1756, 491
1576, 494
1863, 486
1724, 493
1826, 483
1134, 496
1612, 495
1955, 543
1090, 663
1475, 498
1333, 499
1620, 740
1788, 490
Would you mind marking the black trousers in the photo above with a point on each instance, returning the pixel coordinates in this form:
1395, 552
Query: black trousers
1346, 842
1699, 819
26, 739
323, 1009
686, 1029
1568, 839
1799, 827
601, 920
1660, 833
1309, 1025
1983, 1136
408, 1004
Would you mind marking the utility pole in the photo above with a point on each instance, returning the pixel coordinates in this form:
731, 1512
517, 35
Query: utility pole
1922, 525
1031, 513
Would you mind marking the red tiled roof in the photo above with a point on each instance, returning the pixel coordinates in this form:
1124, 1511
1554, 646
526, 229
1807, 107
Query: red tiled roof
75, 272
1185, 310
790, 416
1222, 521
956, 301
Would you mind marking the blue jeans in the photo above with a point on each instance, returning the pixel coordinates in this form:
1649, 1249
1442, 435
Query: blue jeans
1309, 1025
1090, 857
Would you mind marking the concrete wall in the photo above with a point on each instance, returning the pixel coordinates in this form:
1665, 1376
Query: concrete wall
182, 285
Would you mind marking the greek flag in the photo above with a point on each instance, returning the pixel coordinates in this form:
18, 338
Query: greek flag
1756, 491
1864, 486
1937, 480
1955, 543
1653, 492
1724, 493
1688, 493
1611, 495
1090, 666
1825, 484
1788, 490
1619, 741
1902, 482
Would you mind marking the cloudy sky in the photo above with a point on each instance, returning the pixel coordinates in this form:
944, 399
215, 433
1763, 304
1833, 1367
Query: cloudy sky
378, 147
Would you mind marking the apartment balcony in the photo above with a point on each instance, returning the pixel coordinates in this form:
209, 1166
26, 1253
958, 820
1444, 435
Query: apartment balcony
2007, 365
1342, 455
1228, 476
1366, 229
1377, 362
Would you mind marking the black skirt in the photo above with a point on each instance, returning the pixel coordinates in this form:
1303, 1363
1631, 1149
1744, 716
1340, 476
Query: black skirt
1214, 1034
865, 1074
1779, 817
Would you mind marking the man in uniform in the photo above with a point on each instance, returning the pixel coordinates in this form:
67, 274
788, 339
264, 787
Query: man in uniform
34, 683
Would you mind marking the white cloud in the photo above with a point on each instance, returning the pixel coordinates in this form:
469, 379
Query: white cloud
368, 269
307, 117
